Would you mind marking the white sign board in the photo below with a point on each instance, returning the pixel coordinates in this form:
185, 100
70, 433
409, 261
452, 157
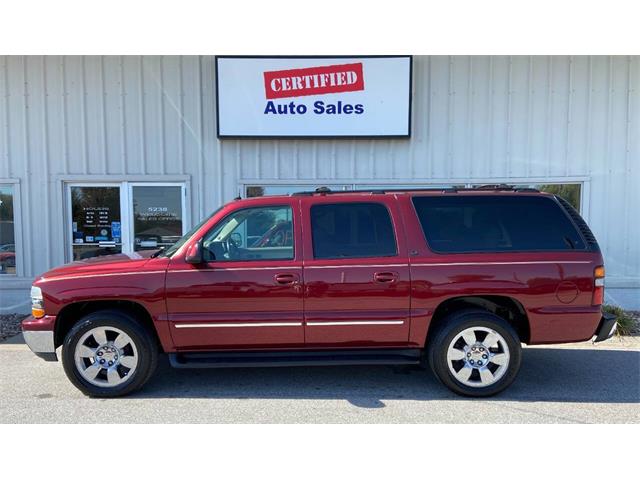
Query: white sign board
313, 96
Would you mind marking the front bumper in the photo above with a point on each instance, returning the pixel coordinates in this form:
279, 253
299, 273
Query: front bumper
40, 339
607, 327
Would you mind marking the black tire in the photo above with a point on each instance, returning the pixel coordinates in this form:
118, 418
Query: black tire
145, 344
450, 328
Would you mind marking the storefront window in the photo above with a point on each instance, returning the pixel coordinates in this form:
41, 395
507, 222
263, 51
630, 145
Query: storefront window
157, 216
125, 217
7, 234
406, 186
96, 221
569, 191
262, 190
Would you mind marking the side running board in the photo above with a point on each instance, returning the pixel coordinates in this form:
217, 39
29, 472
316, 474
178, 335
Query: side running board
296, 358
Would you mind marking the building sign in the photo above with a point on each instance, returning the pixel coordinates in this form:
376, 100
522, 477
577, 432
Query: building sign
313, 96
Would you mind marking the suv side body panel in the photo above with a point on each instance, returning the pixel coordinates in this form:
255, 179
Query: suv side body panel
555, 288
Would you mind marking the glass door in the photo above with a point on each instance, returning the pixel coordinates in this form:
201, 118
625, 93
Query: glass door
96, 227
158, 215
124, 217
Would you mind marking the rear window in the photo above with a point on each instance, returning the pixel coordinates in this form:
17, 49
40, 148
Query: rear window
495, 224
352, 230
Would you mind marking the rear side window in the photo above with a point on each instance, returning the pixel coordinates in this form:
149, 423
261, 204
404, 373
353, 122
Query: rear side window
495, 224
352, 230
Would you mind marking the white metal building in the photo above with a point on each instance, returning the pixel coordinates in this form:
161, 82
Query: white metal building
139, 134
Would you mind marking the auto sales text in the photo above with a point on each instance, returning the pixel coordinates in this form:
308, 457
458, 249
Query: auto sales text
319, 108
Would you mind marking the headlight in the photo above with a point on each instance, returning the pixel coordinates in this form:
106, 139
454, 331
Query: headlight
37, 302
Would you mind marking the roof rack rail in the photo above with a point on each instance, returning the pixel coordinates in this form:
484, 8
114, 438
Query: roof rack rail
452, 189
374, 191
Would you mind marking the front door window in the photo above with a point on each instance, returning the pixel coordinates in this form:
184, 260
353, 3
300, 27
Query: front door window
261, 233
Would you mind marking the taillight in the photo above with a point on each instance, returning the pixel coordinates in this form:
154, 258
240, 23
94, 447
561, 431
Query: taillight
598, 286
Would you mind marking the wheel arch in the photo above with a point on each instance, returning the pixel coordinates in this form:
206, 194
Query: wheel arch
508, 308
74, 312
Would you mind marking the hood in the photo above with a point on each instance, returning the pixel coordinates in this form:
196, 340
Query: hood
121, 262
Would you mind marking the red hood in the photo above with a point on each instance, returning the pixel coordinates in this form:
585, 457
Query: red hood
118, 263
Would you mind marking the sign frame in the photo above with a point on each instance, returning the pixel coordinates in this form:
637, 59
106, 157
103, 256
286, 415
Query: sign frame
319, 136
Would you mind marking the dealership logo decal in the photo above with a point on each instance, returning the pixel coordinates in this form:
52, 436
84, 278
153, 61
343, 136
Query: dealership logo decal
301, 82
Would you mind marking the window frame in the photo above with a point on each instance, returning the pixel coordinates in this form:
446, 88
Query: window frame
391, 223
17, 230
481, 252
290, 206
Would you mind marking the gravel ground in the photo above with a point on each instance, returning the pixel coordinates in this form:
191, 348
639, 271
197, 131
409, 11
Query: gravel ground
10, 325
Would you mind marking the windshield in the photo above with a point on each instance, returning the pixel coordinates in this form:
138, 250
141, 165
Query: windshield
176, 246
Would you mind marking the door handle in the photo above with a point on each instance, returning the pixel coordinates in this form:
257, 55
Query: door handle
286, 278
385, 277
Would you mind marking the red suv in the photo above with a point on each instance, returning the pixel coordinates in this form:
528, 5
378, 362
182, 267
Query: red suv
458, 278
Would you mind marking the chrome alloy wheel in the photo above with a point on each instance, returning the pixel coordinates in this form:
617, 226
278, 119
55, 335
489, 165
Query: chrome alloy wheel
106, 356
478, 357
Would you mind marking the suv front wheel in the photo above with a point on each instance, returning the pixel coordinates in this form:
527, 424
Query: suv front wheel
109, 354
475, 353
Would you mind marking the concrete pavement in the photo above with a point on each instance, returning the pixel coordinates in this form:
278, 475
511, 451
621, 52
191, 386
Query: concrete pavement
557, 384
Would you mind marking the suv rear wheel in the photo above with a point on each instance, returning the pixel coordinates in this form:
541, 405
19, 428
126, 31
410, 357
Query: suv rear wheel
475, 353
108, 354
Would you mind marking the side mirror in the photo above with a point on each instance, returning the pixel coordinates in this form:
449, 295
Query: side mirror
194, 253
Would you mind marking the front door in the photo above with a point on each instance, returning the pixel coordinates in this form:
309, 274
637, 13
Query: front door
357, 282
248, 293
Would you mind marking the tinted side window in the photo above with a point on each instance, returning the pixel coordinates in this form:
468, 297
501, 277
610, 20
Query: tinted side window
352, 230
495, 224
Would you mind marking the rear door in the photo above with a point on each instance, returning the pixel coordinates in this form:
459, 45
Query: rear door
356, 271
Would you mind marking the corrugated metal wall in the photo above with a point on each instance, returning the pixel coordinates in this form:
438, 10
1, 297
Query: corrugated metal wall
474, 119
